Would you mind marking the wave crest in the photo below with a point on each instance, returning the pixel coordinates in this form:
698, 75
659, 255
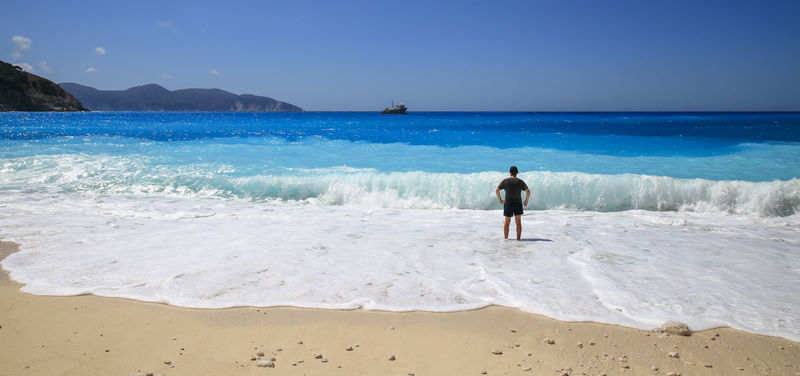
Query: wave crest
419, 190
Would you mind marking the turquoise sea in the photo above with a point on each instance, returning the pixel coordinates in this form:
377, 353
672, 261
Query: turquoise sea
351, 209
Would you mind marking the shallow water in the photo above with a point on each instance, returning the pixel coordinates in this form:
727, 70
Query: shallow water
635, 218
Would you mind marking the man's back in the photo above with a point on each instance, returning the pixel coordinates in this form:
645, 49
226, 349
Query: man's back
513, 187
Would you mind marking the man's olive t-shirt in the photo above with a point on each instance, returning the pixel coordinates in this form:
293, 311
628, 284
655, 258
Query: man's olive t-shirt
514, 188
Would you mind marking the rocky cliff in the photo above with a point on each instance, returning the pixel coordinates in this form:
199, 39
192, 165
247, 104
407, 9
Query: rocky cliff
23, 91
153, 97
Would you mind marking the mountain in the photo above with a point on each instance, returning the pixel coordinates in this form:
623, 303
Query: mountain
23, 91
153, 97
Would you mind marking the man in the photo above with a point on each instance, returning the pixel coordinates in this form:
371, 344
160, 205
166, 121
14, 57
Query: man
512, 206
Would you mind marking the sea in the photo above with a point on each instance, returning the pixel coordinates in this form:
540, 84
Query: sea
635, 218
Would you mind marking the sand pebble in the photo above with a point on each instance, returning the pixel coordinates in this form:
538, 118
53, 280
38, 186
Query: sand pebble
673, 354
672, 373
708, 366
392, 358
253, 358
497, 352
625, 366
260, 353
324, 360
527, 369
349, 348
510, 330
549, 341
654, 368
318, 356
483, 372
265, 363
580, 345
741, 368
677, 328
299, 342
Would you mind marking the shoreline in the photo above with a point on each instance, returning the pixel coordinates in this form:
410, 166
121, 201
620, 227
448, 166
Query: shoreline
93, 335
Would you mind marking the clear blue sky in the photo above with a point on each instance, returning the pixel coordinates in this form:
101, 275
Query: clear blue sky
557, 55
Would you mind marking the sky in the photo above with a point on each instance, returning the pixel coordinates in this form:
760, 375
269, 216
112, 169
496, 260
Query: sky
558, 55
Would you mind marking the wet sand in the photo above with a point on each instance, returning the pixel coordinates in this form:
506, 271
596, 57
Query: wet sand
92, 335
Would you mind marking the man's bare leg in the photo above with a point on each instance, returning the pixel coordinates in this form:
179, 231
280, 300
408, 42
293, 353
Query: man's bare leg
505, 227
518, 220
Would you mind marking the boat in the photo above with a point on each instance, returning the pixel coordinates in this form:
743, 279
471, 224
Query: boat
399, 109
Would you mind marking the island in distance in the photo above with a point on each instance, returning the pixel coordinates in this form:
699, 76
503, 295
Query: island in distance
154, 97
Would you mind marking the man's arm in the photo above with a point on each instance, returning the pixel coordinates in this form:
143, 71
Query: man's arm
497, 192
527, 197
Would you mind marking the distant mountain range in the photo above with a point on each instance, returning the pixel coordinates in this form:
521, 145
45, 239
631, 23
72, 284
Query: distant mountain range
153, 97
23, 91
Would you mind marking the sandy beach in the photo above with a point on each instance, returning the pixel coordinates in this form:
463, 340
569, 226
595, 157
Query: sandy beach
92, 335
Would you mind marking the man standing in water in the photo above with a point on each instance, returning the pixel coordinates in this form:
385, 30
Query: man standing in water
512, 206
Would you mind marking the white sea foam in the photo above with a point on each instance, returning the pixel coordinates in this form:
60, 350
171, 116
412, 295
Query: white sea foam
636, 268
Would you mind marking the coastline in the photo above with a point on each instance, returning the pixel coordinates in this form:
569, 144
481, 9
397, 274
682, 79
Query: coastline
91, 335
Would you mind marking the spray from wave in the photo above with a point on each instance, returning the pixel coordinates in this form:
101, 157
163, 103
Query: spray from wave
342, 186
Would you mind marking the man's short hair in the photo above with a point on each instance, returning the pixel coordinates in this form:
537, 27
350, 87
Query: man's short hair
513, 170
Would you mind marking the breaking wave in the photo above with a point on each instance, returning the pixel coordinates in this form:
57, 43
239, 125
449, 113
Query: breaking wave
342, 186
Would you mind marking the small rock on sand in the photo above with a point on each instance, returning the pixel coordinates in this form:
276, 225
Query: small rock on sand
549, 341
318, 356
497, 352
260, 353
676, 328
349, 348
673, 354
265, 363
392, 358
671, 373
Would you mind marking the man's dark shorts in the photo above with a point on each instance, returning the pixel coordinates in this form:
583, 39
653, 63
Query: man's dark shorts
509, 210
